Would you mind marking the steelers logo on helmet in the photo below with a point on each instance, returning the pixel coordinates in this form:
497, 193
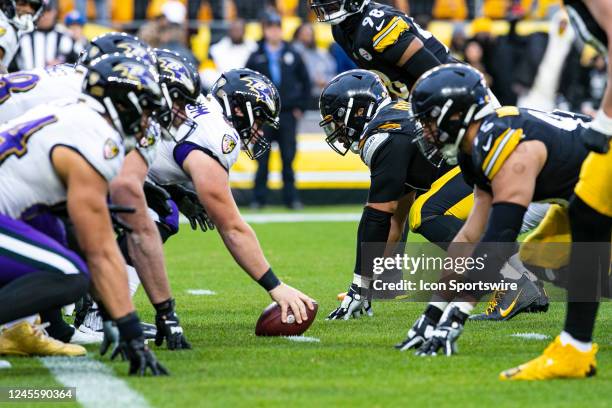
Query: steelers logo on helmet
261, 91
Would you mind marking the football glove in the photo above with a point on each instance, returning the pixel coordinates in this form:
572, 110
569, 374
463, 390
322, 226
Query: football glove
445, 335
169, 328
141, 358
111, 340
418, 334
189, 205
353, 305
157, 199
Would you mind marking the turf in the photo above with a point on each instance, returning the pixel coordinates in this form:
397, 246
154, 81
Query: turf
353, 364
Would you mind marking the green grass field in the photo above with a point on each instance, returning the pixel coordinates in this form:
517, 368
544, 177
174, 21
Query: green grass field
354, 364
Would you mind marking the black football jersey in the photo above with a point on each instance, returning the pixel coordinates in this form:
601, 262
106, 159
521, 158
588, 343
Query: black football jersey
501, 132
396, 164
376, 39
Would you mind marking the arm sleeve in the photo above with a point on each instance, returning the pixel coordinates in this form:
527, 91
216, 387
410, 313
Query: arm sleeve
388, 170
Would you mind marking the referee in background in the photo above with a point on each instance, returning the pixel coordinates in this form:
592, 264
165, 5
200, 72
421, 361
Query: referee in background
49, 44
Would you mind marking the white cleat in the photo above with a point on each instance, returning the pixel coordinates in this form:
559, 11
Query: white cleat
84, 335
4, 364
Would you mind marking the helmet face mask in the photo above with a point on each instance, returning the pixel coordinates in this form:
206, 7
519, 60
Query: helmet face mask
336, 11
181, 86
249, 101
23, 22
446, 100
347, 104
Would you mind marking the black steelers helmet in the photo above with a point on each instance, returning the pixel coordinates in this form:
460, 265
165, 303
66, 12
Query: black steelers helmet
128, 87
347, 104
336, 11
446, 100
257, 102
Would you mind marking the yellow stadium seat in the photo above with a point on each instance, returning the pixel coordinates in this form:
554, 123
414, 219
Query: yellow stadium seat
495, 8
450, 9
91, 30
290, 24
287, 7
252, 31
200, 43
442, 30
323, 35
122, 11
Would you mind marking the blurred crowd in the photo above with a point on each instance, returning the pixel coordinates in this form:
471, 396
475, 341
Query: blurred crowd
545, 68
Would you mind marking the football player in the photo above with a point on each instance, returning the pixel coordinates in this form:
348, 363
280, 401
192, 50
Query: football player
513, 157
383, 39
359, 116
572, 354
69, 151
27, 89
226, 121
17, 17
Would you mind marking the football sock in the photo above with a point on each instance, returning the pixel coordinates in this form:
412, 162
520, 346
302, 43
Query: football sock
567, 338
133, 280
58, 328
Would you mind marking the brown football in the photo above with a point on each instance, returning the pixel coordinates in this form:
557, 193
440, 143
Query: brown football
270, 324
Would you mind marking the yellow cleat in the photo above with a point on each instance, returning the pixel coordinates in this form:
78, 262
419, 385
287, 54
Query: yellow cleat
25, 339
557, 361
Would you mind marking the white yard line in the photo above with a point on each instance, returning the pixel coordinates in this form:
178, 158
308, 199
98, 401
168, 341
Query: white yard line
531, 336
201, 292
303, 339
295, 217
95, 383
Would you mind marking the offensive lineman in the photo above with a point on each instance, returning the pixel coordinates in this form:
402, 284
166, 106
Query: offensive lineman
26, 89
69, 151
513, 157
228, 120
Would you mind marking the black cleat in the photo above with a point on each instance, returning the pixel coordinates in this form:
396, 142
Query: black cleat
541, 304
504, 305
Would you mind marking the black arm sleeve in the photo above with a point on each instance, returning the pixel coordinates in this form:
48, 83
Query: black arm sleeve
388, 170
496, 245
373, 228
422, 61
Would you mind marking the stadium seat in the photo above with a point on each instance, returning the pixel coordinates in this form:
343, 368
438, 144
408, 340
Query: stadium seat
450, 9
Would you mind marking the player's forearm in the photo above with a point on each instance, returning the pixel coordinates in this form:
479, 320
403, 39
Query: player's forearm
241, 241
146, 251
109, 279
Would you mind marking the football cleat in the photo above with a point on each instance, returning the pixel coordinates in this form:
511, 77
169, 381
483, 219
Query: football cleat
86, 336
557, 361
25, 339
4, 364
504, 305
541, 304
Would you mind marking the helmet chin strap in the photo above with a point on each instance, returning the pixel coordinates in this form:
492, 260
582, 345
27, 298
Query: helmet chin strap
112, 112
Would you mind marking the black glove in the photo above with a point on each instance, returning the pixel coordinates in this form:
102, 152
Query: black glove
141, 358
418, 334
157, 199
168, 327
132, 346
189, 205
445, 336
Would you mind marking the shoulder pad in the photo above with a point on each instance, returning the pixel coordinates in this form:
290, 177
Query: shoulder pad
495, 141
392, 118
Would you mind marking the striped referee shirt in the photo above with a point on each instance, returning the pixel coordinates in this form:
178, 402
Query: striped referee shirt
42, 48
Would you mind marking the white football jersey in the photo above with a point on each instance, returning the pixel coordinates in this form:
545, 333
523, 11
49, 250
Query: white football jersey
213, 135
9, 40
24, 90
27, 176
